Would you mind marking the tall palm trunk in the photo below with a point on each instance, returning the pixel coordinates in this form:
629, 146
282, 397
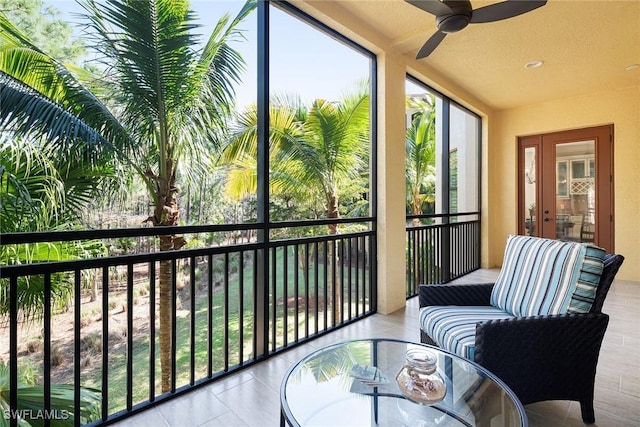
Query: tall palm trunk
416, 206
166, 213
334, 257
166, 242
416, 210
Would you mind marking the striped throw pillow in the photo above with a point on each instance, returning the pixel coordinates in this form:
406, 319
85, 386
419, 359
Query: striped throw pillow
588, 280
540, 276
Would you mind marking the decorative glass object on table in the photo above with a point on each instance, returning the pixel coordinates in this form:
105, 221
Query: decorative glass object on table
419, 379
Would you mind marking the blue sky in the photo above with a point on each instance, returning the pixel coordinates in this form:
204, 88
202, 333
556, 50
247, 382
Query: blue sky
304, 61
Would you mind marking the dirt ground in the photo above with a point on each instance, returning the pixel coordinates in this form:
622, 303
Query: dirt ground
31, 333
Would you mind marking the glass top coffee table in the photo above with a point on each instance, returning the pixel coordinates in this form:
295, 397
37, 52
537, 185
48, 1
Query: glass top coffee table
354, 384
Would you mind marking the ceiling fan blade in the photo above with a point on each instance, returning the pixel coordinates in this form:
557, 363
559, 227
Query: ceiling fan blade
431, 44
434, 7
504, 10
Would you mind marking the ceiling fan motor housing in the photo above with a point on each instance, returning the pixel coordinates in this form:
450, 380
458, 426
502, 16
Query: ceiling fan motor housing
452, 23
457, 20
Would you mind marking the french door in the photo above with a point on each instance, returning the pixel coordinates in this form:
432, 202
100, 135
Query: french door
565, 185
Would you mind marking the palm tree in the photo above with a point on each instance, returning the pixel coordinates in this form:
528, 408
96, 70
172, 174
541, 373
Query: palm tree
420, 156
312, 154
335, 148
159, 102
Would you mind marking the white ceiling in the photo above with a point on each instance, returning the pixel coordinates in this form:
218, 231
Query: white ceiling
585, 46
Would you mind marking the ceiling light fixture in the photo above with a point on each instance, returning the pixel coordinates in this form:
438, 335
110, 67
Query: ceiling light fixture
632, 67
533, 64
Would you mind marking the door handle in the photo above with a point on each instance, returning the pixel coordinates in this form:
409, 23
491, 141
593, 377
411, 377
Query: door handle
547, 219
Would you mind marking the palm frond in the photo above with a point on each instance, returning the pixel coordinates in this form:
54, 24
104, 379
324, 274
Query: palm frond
175, 100
44, 188
43, 98
420, 155
27, 112
337, 136
286, 133
31, 399
32, 193
148, 43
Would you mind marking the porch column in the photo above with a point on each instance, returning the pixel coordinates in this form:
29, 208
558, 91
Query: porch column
391, 183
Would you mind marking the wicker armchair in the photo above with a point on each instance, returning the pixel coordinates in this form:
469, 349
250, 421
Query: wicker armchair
547, 357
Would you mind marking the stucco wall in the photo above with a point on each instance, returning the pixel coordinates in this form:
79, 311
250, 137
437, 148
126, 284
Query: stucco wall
622, 108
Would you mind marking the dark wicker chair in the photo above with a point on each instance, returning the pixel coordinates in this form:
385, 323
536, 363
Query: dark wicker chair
542, 357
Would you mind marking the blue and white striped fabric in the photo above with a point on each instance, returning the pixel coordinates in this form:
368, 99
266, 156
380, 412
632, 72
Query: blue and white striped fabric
588, 280
453, 327
539, 276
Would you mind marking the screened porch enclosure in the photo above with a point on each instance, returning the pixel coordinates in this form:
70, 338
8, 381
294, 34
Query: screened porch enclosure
266, 266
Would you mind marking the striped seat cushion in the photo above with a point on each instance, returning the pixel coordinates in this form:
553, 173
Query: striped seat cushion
543, 276
453, 327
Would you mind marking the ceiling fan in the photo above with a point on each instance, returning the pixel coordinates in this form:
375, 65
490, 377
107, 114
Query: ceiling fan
454, 15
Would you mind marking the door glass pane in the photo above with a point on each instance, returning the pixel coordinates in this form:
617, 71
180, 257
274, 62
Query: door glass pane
562, 185
575, 191
530, 191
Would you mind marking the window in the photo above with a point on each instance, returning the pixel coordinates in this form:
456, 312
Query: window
448, 183
316, 90
442, 169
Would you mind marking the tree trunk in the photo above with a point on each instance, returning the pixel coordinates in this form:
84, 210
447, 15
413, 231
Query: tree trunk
333, 258
166, 213
417, 210
94, 289
201, 199
165, 316
188, 209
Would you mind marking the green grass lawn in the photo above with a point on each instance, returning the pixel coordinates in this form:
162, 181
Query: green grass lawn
236, 315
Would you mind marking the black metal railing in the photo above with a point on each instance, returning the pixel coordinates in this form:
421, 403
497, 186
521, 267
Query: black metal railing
441, 248
231, 305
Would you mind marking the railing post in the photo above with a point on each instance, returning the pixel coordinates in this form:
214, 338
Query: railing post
13, 350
